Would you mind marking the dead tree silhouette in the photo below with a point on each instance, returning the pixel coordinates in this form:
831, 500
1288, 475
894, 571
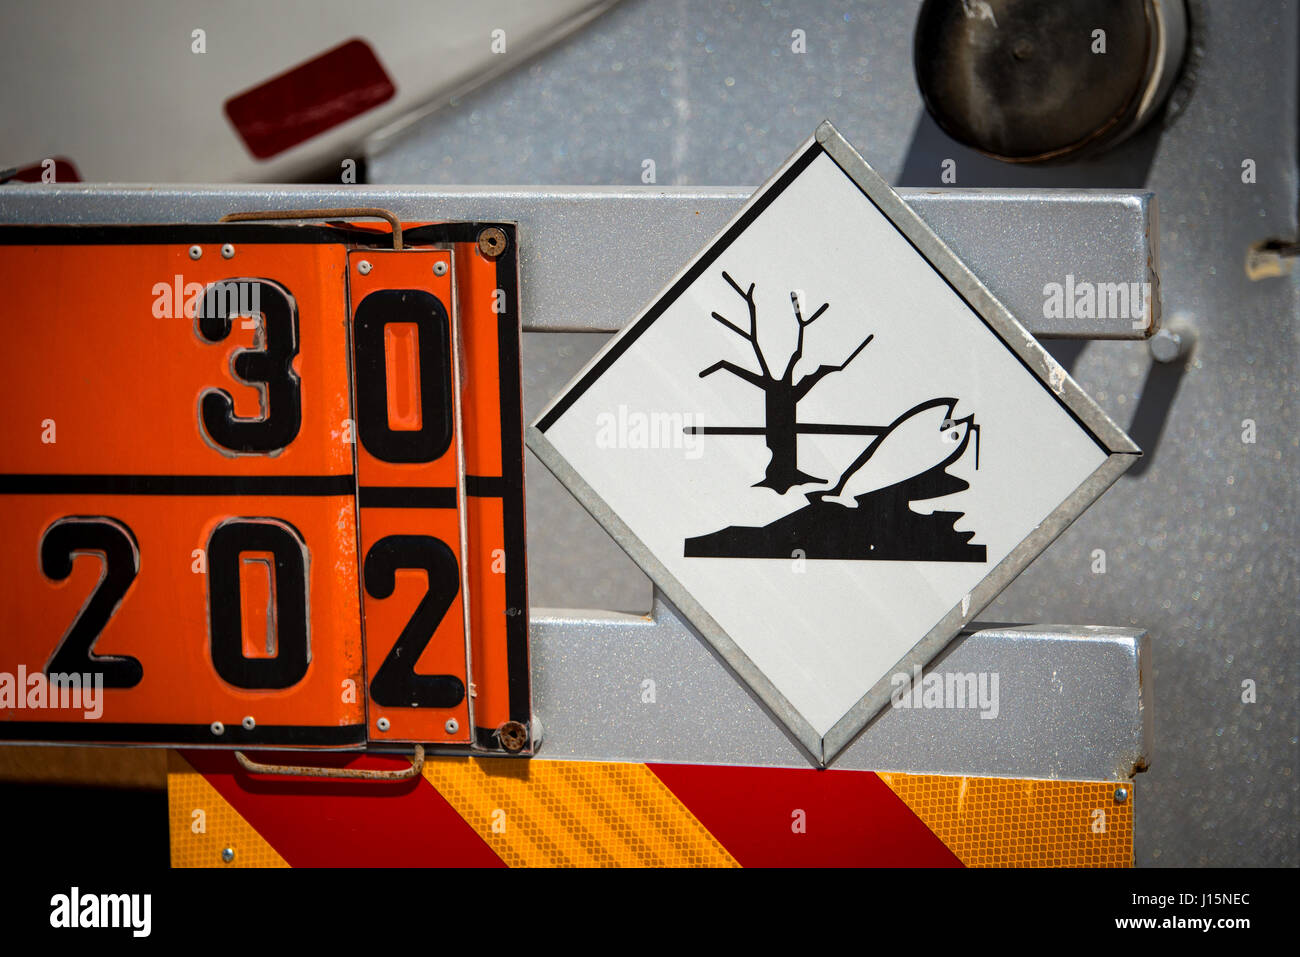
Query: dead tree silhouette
781, 393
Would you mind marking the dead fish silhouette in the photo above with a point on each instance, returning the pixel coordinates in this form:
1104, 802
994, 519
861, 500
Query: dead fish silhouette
866, 516
925, 438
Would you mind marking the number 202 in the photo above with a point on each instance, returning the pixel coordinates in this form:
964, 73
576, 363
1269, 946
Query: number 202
395, 682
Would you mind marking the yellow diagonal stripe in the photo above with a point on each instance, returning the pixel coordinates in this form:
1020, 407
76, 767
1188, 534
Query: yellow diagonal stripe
1007, 822
198, 839
575, 813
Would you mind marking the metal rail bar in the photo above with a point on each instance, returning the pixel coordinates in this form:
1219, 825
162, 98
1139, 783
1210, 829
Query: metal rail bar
1050, 701
591, 258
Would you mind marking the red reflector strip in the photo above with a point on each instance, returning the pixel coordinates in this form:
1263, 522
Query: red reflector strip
309, 99
63, 171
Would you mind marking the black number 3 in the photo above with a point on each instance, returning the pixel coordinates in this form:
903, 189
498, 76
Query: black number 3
270, 367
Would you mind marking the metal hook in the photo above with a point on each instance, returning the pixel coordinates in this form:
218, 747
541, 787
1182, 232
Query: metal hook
304, 771
369, 212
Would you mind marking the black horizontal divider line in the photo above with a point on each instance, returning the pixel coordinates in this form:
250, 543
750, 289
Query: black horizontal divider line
291, 485
428, 496
339, 736
485, 486
402, 496
480, 486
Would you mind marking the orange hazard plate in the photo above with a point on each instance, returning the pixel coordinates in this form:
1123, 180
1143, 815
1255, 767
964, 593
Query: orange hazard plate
262, 485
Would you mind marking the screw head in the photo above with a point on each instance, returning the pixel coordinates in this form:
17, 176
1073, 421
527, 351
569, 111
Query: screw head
383, 724
440, 268
513, 735
492, 242
218, 728
1121, 795
196, 252
248, 723
227, 251
1166, 345
364, 267
452, 725
228, 854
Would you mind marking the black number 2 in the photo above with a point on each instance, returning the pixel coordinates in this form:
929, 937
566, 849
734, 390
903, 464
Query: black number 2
395, 683
120, 555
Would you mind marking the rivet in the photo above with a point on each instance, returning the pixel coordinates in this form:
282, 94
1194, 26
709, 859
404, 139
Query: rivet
248, 723
363, 267
383, 724
1174, 340
228, 854
492, 241
196, 252
440, 268
452, 725
1121, 795
1166, 345
218, 728
227, 251
513, 735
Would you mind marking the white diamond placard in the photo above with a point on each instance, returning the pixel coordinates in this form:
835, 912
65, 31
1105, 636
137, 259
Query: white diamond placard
828, 444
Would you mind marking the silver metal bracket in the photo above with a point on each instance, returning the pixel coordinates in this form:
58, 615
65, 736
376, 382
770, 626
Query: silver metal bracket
1019, 701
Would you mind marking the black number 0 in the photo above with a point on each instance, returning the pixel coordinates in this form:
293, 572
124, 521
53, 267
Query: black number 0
289, 664
427, 313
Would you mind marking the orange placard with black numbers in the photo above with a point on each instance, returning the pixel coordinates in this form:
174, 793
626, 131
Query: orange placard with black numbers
174, 474
411, 495
233, 494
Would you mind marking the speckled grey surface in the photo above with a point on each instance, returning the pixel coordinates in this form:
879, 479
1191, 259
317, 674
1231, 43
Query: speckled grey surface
1200, 540
1049, 681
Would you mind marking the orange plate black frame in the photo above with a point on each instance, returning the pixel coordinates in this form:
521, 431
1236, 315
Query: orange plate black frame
157, 448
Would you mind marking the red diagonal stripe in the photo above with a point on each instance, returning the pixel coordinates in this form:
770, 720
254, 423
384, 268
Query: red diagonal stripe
316, 823
852, 818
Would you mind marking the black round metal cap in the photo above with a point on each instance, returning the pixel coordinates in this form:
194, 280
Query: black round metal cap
1019, 79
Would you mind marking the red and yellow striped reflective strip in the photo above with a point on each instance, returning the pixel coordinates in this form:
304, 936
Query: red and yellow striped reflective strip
206, 830
579, 813
539, 813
